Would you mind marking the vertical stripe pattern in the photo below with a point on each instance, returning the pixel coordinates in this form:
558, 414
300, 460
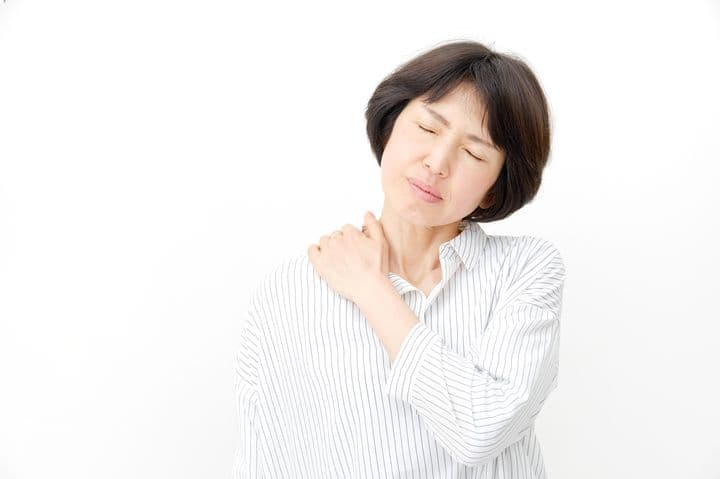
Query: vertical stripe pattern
317, 396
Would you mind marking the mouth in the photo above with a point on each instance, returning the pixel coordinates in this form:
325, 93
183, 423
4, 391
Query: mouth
424, 195
426, 188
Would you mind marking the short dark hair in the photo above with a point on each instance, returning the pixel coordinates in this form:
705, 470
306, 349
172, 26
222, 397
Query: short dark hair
517, 113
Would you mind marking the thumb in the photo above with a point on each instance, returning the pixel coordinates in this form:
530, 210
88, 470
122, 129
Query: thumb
374, 228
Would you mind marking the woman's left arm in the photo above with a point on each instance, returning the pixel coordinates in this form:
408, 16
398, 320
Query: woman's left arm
477, 405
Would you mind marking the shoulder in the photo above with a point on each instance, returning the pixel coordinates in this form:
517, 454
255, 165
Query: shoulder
532, 272
521, 252
287, 270
281, 282
537, 249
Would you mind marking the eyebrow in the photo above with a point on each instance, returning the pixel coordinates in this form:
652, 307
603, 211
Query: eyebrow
470, 136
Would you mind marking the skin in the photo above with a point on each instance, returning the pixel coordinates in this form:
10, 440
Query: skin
407, 237
414, 228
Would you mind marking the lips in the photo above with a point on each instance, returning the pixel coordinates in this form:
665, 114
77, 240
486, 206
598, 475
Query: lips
426, 187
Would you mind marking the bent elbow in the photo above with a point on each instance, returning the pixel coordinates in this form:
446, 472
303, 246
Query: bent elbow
482, 448
473, 456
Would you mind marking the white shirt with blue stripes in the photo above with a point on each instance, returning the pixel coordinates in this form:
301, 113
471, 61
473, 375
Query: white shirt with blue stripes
317, 396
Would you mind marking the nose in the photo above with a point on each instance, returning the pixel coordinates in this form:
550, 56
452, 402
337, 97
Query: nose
439, 158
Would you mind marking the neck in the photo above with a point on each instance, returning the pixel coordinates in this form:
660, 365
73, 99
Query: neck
415, 248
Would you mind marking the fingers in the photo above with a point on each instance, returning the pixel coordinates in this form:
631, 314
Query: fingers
349, 229
346, 229
313, 250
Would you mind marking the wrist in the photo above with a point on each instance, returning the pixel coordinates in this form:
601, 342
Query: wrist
375, 287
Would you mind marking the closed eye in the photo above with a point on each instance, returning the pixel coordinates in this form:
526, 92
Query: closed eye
476, 157
430, 131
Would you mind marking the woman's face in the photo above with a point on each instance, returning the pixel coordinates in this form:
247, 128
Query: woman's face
461, 169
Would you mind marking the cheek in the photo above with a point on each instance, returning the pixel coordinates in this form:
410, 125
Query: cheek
396, 159
403, 144
469, 192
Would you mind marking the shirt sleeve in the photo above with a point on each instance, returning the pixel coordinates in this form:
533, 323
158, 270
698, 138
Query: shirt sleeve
476, 406
248, 460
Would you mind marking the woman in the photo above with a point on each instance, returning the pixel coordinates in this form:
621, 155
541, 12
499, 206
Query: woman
419, 346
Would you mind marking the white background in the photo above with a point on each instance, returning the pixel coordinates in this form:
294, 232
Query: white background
158, 157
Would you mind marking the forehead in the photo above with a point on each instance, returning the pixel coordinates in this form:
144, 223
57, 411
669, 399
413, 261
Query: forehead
463, 98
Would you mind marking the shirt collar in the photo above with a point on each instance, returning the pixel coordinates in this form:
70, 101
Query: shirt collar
469, 244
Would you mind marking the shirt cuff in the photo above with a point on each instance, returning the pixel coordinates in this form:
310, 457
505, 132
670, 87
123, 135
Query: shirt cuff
408, 361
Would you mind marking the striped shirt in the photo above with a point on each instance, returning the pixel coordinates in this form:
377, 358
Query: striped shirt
317, 396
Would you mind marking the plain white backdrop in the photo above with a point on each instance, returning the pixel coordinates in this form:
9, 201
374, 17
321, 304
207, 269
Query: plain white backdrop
158, 157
